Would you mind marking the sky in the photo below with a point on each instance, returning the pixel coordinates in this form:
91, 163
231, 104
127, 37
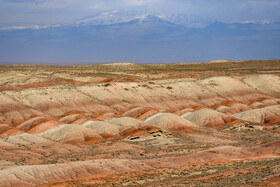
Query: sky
13, 12
46, 31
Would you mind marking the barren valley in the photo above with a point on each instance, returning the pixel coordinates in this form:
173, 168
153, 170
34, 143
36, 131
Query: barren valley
124, 124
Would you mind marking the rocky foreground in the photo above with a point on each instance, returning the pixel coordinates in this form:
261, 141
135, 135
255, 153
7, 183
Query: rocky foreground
213, 124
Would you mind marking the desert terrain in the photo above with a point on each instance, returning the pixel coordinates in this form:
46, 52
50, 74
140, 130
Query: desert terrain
123, 124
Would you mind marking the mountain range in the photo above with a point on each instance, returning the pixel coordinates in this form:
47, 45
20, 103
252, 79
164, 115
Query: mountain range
143, 39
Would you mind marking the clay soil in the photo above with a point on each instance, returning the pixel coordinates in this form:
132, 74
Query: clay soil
124, 124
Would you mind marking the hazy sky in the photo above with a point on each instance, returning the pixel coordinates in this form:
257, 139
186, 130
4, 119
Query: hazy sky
66, 11
141, 43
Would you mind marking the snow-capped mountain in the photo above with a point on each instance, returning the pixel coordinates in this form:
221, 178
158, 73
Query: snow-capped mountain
263, 21
141, 38
107, 18
189, 21
114, 17
24, 27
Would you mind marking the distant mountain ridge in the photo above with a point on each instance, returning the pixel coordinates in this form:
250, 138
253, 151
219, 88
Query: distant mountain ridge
148, 38
111, 18
115, 17
118, 17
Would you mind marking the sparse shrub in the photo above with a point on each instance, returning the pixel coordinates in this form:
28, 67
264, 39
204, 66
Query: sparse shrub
107, 84
213, 83
145, 86
169, 88
213, 151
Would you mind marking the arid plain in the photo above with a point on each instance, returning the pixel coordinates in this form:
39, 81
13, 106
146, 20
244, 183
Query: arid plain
124, 124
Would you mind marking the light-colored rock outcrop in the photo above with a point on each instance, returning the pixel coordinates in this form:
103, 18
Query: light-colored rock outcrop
40, 174
268, 84
72, 134
209, 118
172, 122
270, 114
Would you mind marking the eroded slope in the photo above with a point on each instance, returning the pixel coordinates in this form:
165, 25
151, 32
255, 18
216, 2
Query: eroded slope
82, 126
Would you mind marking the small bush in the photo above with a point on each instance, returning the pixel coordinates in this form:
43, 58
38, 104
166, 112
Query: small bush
213, 83
213, 151
107, 84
